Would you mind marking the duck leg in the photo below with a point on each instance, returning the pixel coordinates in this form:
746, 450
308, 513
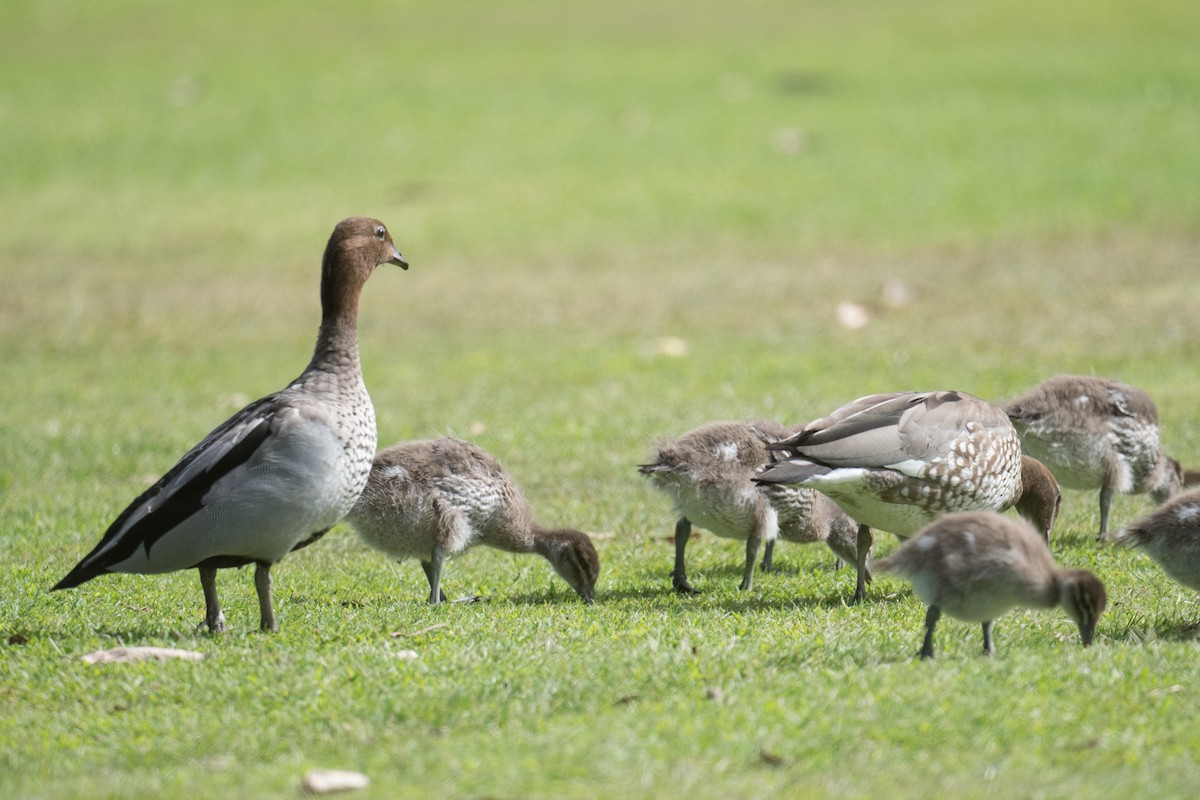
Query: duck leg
752, 544
679, 581
435, 579
433, 571
214, 619
1106, 498
989, 646
768, 556
262, 585
931, 620
865, 540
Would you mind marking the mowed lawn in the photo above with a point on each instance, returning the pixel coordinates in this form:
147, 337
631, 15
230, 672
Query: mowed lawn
624, 219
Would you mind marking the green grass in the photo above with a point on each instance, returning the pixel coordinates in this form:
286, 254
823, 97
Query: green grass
572, 184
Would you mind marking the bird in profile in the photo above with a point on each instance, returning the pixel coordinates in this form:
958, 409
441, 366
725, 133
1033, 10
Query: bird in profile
278, 474
1096, 433
1170, 534
977, 565
708, 473
433, 498
899, 460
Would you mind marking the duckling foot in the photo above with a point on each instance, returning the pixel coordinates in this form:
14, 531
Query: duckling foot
768, 562
931, 620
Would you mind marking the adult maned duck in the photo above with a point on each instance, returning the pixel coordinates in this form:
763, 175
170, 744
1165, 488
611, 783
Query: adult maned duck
897, 461
278, 474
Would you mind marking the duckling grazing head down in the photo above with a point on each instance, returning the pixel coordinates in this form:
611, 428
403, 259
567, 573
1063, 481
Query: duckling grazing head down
573, 556
433, 498
977, 565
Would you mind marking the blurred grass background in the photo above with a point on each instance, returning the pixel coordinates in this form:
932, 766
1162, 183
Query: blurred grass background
624, 219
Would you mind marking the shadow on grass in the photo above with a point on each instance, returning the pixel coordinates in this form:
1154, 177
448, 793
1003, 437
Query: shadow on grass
1162, 629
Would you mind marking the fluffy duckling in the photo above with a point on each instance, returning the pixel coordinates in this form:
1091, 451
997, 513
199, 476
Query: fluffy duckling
1095, 433
1171, 536
897, 461
976, 565
434, 498
708, 473
278, 474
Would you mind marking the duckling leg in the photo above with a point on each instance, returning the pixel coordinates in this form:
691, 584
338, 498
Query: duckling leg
214, 619
434, 579
931, 620
679, 581
989, 646
262, 584
433, 571
751, 554
768, 556
1106, 498
865, 540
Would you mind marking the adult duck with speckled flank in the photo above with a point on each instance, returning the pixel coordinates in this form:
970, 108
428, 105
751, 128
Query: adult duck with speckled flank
897, 461
708, 473
977, 565
1170, 535
278, 474
434, 498
1096, 433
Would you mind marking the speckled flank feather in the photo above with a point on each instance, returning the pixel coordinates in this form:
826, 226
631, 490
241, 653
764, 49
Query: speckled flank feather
434, 498
1095, 433
277, 474
975, 566
708, 471
1171, 536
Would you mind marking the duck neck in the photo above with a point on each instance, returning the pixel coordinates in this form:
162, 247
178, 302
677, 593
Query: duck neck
337, 344
547, 542
337, 339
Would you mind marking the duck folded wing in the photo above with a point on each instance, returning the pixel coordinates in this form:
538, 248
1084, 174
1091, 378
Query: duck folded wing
884, 430
180, 493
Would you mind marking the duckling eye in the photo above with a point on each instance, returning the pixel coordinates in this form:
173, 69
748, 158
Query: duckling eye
380, 232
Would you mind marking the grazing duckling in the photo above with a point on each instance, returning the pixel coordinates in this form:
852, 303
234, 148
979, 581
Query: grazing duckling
1171, 536
976, 565
434, 498
279, 473
708, 473
1095, 433
898, 461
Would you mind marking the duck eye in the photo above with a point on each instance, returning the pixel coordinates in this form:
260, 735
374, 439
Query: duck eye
380, 232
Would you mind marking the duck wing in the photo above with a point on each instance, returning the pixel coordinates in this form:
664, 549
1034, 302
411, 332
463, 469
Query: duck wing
179, 493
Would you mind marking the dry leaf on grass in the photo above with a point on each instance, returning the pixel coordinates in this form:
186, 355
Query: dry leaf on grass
123, 654
325, 781
421, 632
